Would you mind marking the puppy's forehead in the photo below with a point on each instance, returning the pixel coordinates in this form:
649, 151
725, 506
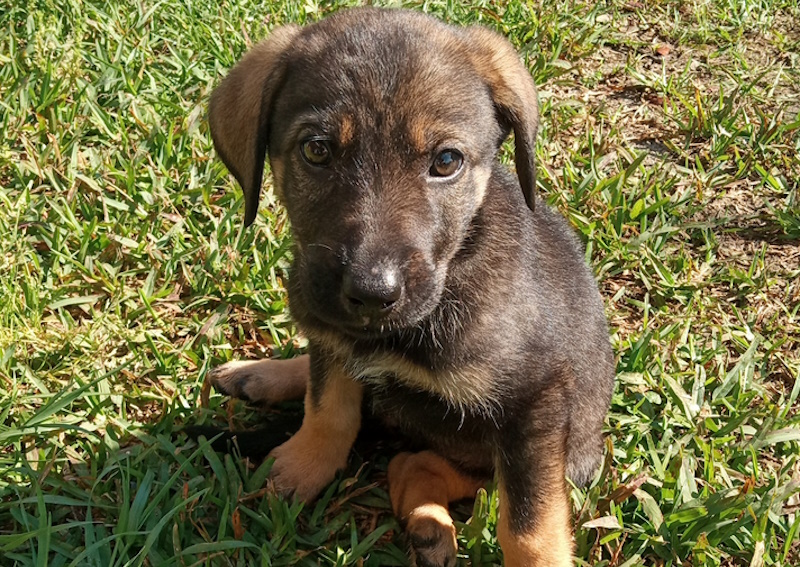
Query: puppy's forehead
365, 66
366, 33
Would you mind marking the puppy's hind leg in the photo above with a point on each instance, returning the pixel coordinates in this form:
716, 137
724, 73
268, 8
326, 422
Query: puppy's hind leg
267, 381
420, 486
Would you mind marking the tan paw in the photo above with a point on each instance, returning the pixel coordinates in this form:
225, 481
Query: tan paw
431, 537
306, 464
266, 381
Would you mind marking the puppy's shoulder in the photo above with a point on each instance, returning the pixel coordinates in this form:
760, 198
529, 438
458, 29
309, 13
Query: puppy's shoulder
541, 230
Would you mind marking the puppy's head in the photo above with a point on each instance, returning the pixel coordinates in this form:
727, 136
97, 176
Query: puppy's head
382, 128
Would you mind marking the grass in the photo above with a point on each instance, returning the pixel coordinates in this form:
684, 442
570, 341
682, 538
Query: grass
670, 139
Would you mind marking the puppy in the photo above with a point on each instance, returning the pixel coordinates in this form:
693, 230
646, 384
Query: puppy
436, 290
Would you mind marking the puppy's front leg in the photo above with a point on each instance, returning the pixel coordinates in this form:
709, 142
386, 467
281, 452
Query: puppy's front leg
534, 527
308, 461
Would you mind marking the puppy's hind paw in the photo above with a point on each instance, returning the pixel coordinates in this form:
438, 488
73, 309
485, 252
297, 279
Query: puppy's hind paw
432, 540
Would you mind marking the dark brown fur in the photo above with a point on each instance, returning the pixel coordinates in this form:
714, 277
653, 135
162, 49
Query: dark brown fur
459, 309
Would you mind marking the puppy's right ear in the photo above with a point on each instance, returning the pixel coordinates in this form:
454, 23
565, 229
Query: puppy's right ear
238, 113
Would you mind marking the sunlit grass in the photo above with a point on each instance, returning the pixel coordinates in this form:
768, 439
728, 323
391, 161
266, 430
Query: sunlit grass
670, 139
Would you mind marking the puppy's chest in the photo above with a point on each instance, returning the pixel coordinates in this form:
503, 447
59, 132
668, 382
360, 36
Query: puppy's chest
468, 387
454, 412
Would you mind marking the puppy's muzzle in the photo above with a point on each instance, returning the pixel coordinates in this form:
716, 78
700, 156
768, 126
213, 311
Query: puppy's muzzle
372, 292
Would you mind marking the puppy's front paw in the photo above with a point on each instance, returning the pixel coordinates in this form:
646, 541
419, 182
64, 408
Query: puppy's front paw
232, 377
306, 464
267, 381
431, 537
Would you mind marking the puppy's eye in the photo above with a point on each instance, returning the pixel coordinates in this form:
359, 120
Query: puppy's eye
446, 163
316, 152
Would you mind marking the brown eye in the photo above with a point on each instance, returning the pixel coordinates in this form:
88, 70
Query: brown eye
446, 163
316, 152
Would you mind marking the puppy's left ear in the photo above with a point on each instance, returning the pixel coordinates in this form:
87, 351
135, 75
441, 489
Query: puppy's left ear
514, 94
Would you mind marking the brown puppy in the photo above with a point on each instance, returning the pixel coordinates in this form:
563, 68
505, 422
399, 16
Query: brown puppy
435, 289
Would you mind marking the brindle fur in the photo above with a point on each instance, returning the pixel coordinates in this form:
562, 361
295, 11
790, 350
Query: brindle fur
496, 353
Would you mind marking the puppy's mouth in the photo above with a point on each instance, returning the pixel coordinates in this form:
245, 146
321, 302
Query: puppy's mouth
331, 305
368, 329
373, 326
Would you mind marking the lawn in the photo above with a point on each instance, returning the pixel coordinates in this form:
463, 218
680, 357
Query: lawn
670, 138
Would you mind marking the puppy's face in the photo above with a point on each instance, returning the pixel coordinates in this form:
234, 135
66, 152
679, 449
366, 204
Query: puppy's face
382, 129
382, 147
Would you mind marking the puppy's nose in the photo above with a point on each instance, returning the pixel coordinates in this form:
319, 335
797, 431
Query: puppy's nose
372, 292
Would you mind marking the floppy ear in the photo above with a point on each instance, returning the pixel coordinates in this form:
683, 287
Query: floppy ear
514, 94
238, 113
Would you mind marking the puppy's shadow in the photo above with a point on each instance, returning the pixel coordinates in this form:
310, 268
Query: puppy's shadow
376, 441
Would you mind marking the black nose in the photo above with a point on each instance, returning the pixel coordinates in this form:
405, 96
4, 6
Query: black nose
373, 291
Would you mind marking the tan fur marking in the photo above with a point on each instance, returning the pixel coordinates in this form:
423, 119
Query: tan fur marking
308, 461
465, 387
268, 381
278, 168
482, 175
347, 130
331, 342
424, 130
549, 544
417, 134
434, 512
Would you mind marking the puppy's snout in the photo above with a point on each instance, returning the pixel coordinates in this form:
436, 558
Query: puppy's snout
373, 291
